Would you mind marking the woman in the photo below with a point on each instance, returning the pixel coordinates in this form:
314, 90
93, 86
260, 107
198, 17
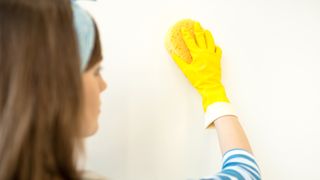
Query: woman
49, 91
50, 84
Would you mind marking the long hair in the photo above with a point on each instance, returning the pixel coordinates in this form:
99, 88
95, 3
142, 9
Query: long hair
40, 91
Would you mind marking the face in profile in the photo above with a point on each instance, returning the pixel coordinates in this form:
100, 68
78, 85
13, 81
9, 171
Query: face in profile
93, 85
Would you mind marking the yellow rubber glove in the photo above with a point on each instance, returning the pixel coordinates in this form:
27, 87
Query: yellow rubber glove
204, 72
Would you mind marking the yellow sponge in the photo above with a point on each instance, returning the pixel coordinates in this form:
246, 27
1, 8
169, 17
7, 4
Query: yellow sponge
174, 41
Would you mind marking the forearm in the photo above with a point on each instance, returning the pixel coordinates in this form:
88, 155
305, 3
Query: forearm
231, 134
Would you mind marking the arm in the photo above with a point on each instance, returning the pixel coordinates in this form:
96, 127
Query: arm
230, 134
204, 73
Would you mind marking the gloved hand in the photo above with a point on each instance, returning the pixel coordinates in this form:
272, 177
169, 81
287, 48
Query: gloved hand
204, 72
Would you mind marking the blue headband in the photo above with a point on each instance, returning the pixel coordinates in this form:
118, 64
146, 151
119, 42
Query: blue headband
85, 31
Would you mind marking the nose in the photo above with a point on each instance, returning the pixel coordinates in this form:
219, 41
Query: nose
103, 85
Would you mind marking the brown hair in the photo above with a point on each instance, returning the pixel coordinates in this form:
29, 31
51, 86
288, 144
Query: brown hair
40, 91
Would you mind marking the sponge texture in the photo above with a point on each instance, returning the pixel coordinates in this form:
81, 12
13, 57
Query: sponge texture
174, 42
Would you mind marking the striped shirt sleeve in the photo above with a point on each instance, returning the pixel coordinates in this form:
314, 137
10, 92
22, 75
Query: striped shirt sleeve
237, 164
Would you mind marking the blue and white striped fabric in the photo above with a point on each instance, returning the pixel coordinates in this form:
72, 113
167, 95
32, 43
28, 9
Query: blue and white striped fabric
237, 164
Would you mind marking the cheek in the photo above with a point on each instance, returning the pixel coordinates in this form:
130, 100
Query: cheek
91, 107
91, 95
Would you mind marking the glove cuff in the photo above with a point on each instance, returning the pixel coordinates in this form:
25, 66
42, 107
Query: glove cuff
217, 110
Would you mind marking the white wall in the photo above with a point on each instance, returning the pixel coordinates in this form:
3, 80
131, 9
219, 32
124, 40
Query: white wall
151, 124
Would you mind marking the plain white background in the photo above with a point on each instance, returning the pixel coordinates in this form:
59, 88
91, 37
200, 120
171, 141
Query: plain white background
151, 124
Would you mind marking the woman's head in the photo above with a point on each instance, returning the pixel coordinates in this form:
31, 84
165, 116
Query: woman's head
93, 85
91, 57
44, 95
